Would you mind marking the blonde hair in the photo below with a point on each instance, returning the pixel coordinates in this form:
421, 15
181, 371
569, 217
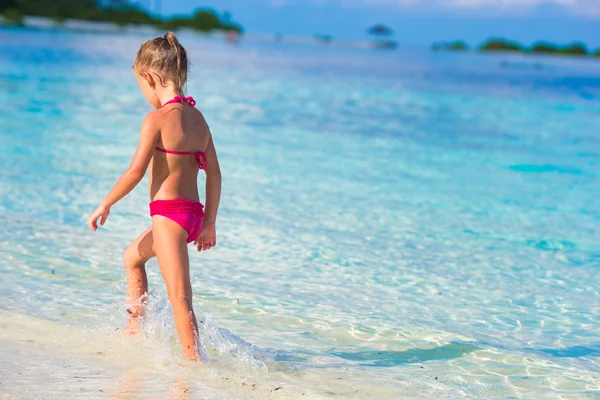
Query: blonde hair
167, 58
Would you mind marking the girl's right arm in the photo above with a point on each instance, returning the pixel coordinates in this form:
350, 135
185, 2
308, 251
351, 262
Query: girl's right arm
208, 236
133, 175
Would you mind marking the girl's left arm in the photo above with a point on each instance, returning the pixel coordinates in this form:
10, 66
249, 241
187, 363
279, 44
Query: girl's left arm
133, 175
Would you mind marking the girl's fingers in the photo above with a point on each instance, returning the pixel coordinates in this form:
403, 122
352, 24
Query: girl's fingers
209, 245
92, 223
204, 244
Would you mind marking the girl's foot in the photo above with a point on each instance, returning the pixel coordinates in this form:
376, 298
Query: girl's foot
134, 325
132, 330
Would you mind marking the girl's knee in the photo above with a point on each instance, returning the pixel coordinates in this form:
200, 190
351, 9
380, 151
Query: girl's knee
139, 252
132, 257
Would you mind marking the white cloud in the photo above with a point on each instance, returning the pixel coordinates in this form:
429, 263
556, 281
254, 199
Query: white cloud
585, 7
575, 5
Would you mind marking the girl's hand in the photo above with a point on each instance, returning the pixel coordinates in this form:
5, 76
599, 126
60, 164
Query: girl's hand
102, 213
208, 237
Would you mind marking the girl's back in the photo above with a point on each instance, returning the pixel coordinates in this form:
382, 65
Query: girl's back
182, 129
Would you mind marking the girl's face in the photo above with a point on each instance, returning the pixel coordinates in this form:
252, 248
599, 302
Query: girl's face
146, 83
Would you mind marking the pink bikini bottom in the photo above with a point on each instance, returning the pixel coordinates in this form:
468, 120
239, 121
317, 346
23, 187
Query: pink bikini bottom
187, 213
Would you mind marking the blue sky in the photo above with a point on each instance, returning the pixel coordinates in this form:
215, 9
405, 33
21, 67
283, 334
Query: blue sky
415, 22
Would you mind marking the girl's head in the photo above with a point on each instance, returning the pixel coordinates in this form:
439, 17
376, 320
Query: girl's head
161, 64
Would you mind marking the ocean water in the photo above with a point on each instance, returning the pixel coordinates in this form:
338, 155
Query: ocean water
393, 225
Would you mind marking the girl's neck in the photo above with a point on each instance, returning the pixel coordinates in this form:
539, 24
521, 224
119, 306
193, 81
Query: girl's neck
167, 94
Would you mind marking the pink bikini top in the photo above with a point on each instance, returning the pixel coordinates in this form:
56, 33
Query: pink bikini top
199, 155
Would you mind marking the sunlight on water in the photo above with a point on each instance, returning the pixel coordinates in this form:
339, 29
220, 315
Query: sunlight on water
393, 225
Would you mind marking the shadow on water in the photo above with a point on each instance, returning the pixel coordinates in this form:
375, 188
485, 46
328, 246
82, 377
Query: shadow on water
412, 356
223, 348
573, 352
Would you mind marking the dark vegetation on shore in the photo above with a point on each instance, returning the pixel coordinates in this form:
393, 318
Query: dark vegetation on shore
450, 46
573, 49
503, 45
118, 12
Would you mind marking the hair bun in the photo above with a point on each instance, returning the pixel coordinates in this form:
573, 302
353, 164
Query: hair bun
167, 58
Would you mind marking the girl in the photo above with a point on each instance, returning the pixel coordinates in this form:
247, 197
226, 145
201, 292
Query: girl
176, 143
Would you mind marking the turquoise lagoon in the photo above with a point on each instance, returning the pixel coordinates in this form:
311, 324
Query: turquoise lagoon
393, 224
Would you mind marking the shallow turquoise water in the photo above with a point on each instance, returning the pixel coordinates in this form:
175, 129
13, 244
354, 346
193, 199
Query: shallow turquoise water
400, 224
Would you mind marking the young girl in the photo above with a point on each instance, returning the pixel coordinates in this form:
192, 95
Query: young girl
176, 143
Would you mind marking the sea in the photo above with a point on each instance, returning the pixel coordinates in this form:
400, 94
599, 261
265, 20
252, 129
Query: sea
394, 224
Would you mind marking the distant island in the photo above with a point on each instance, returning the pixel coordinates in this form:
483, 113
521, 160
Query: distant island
119, 12
380, 31
323, 38
503, 45
450, 46
573, 49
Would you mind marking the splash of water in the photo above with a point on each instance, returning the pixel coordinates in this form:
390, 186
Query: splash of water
216, 345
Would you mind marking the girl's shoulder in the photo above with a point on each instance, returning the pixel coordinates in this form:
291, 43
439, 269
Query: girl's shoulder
151, 122
152, 118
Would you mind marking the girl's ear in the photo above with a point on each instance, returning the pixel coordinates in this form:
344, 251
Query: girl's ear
150, 79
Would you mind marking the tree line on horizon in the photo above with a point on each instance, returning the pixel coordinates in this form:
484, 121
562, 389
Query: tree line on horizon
503, 45
121, 12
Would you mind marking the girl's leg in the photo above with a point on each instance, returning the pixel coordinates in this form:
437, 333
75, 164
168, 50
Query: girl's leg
136, 256
172, 254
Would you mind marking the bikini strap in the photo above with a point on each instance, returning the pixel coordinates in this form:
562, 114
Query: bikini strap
201, 159
198, 155
182, 99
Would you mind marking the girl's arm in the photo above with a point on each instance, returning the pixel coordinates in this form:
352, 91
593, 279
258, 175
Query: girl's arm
213, 184
133, 175
208, 235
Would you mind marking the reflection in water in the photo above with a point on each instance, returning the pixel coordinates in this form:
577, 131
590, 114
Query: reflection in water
131, 388
181, 389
